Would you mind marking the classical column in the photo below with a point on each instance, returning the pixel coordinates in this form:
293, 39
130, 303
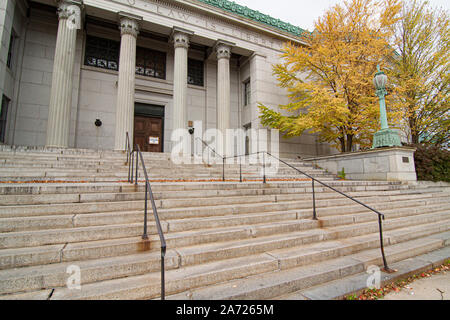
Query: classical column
129, 30
58, 124
223, 51
180, 38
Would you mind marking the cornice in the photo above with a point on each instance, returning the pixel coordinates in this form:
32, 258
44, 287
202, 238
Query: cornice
255, 15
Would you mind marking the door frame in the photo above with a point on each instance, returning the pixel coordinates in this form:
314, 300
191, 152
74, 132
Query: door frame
150, 110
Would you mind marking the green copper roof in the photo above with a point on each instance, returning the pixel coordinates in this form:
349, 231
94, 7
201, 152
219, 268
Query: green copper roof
255, 15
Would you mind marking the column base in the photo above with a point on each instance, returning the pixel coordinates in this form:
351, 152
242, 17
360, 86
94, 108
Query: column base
386, 138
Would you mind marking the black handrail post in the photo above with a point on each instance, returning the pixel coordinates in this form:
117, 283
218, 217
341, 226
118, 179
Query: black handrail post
129, 166
163, 285
137, 167
380, 226
240, 169
264, 167
132, 167
314, 201
223, 168
126, 145
145, 236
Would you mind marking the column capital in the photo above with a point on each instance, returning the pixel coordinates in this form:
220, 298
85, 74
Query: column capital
223, 49
129, 24
180, 37
69, 8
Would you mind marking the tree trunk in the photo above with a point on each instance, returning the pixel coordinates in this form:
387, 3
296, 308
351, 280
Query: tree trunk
342, 141
412, 127
346, 142
414, 137
349, 143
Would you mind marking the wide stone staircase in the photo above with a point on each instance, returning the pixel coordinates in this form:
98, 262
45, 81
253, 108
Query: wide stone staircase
62, 209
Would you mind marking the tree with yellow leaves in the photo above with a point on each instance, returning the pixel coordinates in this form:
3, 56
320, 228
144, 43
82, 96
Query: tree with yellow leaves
329, 80
420, 72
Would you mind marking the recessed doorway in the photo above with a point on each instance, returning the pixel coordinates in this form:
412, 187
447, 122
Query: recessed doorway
149, 127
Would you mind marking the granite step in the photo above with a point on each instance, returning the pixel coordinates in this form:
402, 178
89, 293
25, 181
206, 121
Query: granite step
213, 244
122, 177
104, 248
182, 208
15, 224
133, 194
280, 282
53, 276
130, 193
263, 278
46, 188
355, 284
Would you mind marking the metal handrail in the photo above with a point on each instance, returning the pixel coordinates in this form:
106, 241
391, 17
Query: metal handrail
313, 180
240, 164
213, 150
207, 145
148, 192
129, 153
380, 215
230, 157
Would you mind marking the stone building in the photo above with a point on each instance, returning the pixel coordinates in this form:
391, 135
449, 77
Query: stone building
83, 73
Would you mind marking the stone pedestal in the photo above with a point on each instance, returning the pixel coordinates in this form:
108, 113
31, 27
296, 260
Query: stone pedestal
383, 164
129, 30
58, 124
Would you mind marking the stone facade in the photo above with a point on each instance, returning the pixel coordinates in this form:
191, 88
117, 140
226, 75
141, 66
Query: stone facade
234, 49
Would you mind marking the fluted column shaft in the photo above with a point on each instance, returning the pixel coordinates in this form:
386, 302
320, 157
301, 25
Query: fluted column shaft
126, 83
223, 88
181, 45
58, 124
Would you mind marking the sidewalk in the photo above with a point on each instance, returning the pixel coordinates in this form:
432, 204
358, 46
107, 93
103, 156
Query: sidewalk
425, 277
435, 287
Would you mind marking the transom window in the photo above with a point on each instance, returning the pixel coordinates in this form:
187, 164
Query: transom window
104, 53
195, 72
150, 63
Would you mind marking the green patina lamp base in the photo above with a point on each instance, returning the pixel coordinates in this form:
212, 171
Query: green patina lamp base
386, 138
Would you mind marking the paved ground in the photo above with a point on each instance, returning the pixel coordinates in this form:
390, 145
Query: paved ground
436, 287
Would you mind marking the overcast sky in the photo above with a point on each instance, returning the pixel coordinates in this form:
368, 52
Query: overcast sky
302, 13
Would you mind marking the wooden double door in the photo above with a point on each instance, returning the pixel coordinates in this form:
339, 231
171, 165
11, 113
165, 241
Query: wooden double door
148, 133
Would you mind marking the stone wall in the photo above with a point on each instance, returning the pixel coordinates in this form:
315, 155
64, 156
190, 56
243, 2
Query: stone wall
7, 8
36, 77
385, 164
